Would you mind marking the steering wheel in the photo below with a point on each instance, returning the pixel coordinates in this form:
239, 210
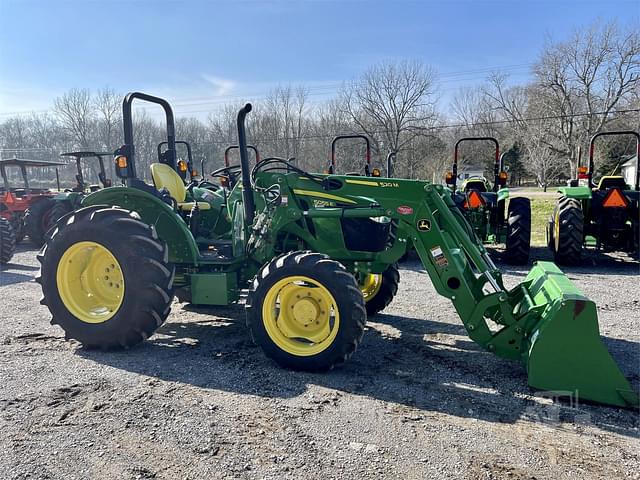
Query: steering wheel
232, 172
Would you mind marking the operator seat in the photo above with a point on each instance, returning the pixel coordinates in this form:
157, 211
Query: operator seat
610, 181
166, 177
474, 184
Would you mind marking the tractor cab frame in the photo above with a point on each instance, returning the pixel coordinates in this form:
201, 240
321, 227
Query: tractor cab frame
16, 201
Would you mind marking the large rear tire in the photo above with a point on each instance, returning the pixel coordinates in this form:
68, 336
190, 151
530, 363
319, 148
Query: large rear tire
518, 243
59, 210
378, 290
37, 220
568, 231
7, 241
306, 312
106, 278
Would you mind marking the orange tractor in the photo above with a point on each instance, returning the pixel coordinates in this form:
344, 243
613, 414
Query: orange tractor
26, 208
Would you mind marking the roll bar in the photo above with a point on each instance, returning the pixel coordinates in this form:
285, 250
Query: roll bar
128, 149
247, 191
390, 161
367, 166
497, 166
619, 132
232, 147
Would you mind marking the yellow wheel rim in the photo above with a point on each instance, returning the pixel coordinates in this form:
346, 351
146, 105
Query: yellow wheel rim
371, 286
300, 316
90, 282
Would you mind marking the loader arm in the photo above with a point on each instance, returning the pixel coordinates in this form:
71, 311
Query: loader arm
545, 321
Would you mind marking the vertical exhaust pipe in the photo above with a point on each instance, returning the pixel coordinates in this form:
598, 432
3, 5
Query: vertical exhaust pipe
247, 192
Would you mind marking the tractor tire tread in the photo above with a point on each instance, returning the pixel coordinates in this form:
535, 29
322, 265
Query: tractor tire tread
569, 245
518, 242
344, 289
34, 220
388, 290
148, 277
7, 241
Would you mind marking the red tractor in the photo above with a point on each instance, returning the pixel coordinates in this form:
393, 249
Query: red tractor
26, 208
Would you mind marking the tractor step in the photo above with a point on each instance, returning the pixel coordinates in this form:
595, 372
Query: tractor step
220, 251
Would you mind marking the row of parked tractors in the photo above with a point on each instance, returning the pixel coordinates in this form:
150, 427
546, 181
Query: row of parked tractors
312, 256
602, 214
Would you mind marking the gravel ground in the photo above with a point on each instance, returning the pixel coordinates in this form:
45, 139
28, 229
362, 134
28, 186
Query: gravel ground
198, 400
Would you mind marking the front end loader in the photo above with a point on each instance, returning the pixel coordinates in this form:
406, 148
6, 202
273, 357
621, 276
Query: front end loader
109, 270
603, 215
484, 207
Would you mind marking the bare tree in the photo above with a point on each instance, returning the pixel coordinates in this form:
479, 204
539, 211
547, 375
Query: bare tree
392, 103
75, 110
579, 84
107, 103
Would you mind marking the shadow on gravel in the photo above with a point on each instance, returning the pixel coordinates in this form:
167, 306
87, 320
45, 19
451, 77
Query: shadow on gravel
10, 278
415, 369
9, 272
27, 246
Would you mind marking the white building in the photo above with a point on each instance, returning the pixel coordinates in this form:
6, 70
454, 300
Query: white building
469, 171
629, 169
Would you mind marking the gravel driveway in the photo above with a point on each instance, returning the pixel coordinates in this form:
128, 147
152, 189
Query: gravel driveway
198, 400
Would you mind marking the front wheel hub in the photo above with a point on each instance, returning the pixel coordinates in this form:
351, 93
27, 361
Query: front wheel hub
301, 316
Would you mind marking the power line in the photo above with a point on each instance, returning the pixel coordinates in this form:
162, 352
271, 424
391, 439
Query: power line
435, 127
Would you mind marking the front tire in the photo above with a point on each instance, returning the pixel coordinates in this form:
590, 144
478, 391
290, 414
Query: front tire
518, 243
106, 278
305, 311
7, 241
37, 220
378, 290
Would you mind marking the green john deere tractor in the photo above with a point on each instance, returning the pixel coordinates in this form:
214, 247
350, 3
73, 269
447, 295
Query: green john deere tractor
603, 215
300, 243
483, 205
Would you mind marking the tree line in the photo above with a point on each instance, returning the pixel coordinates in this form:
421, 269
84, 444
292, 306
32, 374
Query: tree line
579, 86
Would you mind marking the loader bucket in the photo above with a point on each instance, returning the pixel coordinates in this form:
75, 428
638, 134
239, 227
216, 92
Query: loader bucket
565, 353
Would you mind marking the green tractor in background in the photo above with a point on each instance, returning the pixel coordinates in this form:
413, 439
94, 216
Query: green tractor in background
70, 199
483, 205
229, 174
300, 245
603, 215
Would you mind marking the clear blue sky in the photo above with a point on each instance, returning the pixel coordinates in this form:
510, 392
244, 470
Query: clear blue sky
198, 51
